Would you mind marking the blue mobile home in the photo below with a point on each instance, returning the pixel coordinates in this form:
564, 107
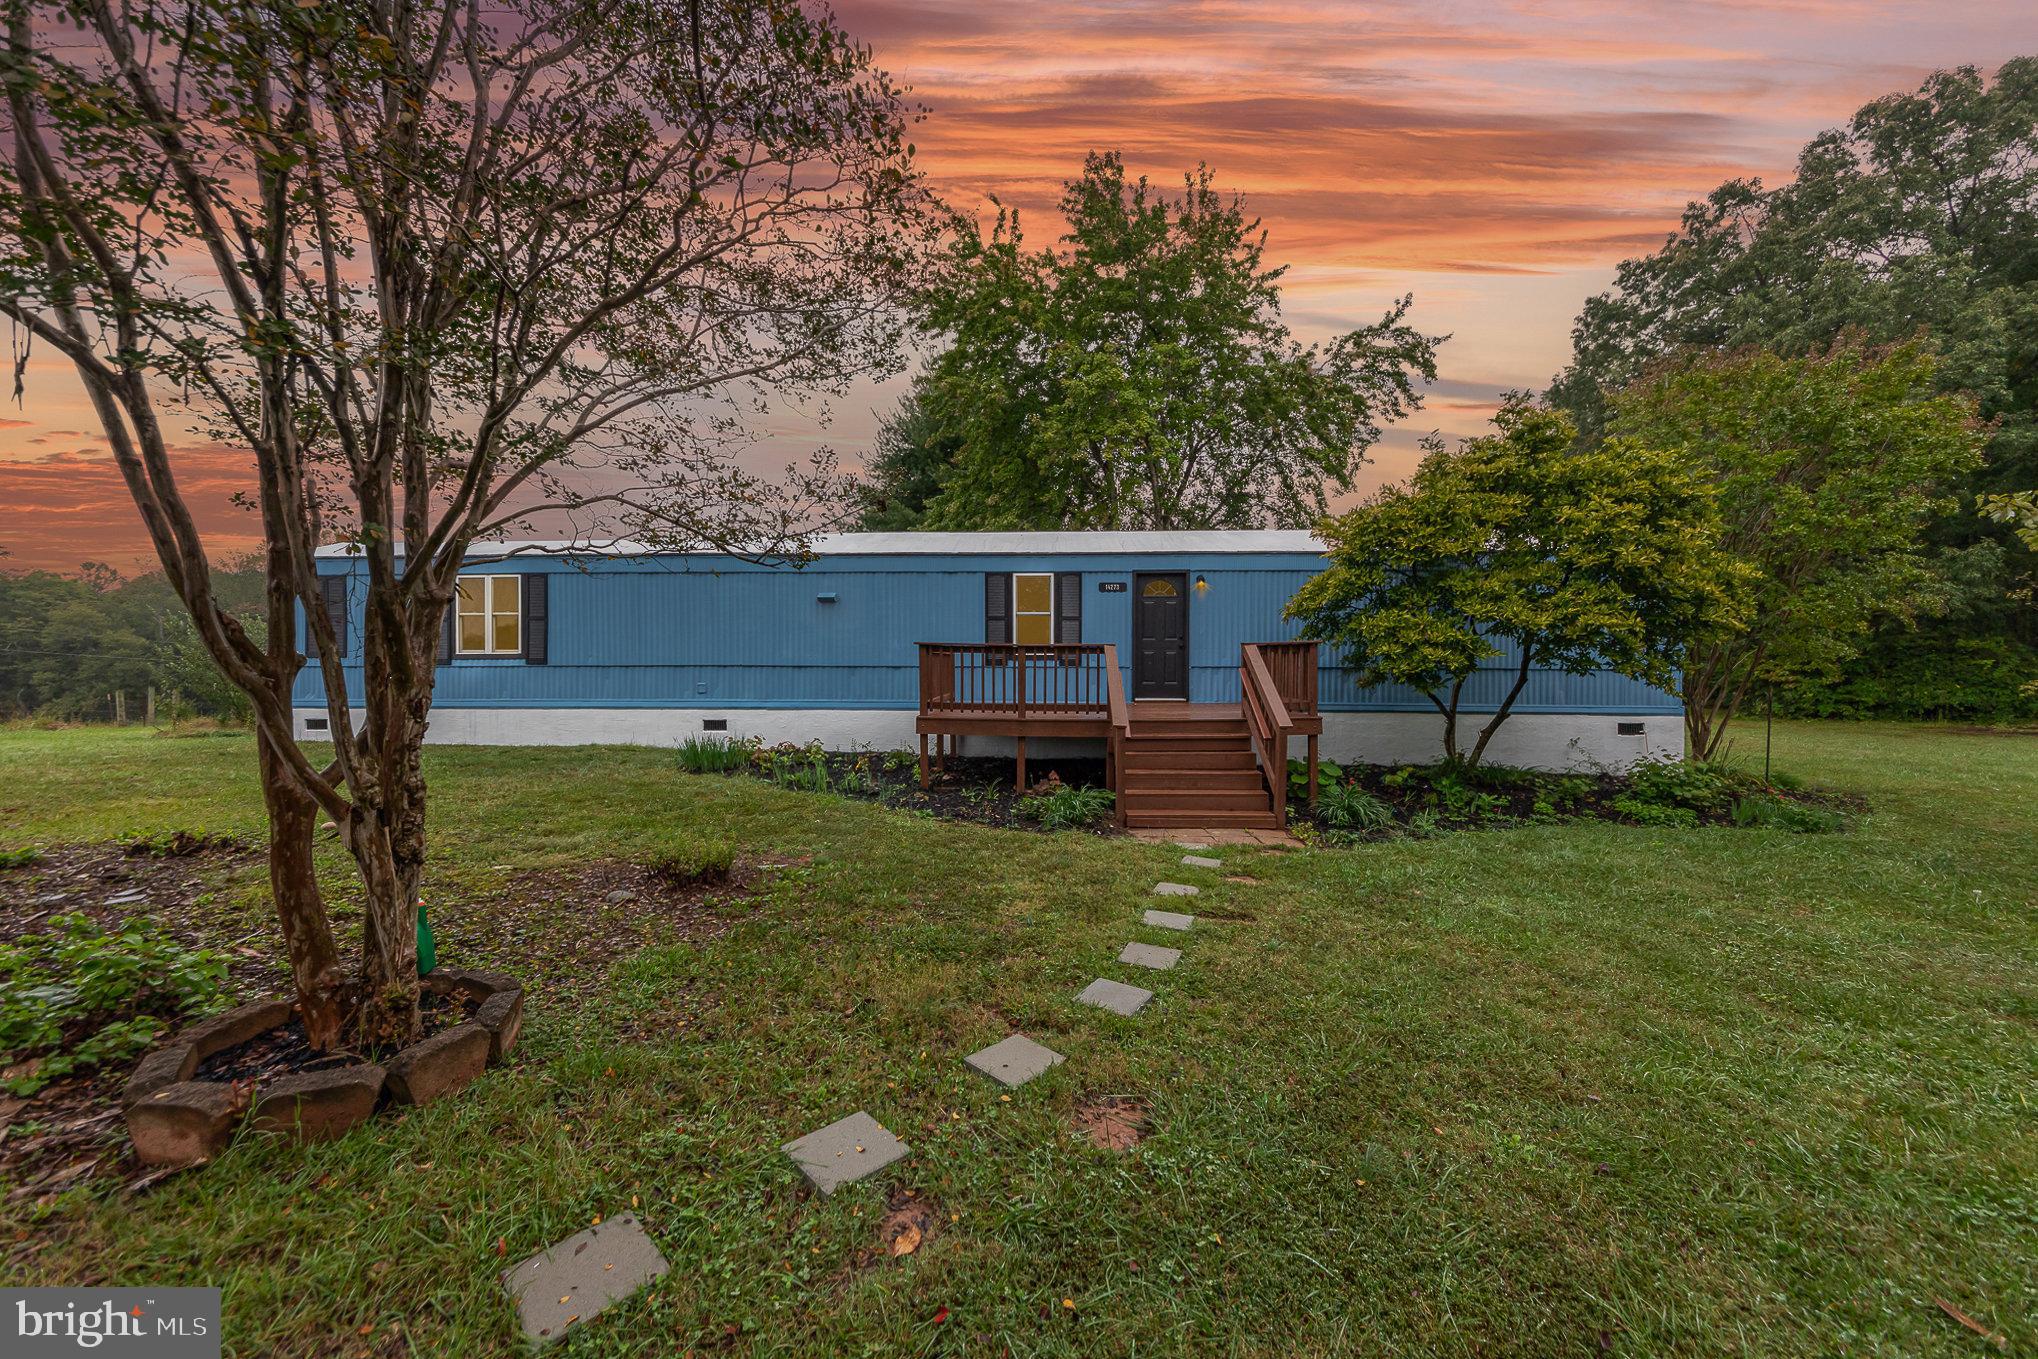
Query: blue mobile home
552, 644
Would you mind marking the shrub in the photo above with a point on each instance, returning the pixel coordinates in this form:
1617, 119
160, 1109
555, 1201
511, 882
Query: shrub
77, 995
898, 761
1346, 806
20, 858
1672, 783
1327, 772
1068, 807
1775, 813
1646, 813
695, 861
804, 768
714, 754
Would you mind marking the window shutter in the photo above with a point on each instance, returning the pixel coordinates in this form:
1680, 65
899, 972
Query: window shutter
1068, 606
997, 607
448, 621
537, 619
332, 593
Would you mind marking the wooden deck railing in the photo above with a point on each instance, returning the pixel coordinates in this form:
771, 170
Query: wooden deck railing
993, 680
1006, 689
1293, 667
1269, 722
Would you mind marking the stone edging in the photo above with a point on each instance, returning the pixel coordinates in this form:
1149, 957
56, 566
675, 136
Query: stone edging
178, 1121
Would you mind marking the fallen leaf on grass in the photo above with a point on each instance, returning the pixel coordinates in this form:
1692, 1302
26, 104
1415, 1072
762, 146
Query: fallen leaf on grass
939, 1317
906, 1242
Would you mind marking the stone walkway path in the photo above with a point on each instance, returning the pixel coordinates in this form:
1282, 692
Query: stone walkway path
588, 1272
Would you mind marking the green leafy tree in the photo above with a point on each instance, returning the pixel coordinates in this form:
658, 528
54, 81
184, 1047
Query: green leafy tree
910, 460
1920, 215
1516, 549
436, 269
1142, 377
1828, 469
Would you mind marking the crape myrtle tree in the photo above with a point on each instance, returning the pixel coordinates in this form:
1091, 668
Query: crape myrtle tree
1828, 469
433, 266
1139, 377
1512, 553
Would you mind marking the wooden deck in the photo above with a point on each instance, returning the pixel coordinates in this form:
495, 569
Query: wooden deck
1170, 764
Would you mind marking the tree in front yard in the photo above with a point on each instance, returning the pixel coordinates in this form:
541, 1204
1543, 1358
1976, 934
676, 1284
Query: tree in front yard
1513, 553
1139, 378
431, 269
1828, 469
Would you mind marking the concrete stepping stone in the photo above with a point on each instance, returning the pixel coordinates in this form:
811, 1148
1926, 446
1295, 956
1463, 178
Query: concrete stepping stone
582, 1276
1116, 997
1174, 889
1169, 920
1012, 1062
1150, 955
844, 1152
1199, 861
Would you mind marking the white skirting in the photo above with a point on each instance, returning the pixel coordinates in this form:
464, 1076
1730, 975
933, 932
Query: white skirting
1558, 741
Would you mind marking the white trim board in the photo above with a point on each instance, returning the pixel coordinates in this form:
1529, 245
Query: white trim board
1550, 741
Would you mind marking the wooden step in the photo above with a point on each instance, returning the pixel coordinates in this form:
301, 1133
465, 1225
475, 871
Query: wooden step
1216, 820
1238, 799
1235, 731
1145, 780
1133, 743
1171, 757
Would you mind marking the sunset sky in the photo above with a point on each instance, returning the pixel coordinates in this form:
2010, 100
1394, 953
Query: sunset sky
1496, 160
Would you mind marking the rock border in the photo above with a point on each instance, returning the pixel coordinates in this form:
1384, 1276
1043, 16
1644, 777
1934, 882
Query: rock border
175, 1120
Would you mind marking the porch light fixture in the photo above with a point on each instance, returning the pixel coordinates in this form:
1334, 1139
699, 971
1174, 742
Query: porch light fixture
1202, 585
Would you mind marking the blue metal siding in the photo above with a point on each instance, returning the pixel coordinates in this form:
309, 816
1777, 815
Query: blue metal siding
718, 633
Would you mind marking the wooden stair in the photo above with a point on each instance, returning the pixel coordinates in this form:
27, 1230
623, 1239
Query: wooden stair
1186, 764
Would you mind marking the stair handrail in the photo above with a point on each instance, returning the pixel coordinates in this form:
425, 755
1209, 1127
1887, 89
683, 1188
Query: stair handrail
1268, 722
1120, 716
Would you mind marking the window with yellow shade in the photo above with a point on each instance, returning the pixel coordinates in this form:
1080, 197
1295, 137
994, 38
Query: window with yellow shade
490, 616
1033, 610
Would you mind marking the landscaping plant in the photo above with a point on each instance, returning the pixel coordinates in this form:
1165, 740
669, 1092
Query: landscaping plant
1068, 807
1346, 806
75, 994
714, 754
1516, 552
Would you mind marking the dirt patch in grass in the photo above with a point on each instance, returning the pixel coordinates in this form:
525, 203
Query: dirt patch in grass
1111, 1122
910, 1220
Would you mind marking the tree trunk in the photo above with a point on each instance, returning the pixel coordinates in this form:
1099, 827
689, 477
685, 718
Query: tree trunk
300, 912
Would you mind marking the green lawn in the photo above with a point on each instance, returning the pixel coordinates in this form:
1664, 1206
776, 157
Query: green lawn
1556, 1091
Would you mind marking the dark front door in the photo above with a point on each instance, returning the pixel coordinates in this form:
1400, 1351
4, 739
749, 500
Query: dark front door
1160, 635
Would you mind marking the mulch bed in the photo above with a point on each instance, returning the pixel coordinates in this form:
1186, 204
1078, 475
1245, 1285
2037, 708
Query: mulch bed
287, 1050
973, 788
1505, 799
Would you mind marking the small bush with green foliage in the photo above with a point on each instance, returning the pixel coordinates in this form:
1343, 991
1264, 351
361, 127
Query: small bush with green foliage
692, 862
714, 754
1694, 786
20, 858
1775, 813
1346, 806
1068, 807
1644, 812
77, 995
